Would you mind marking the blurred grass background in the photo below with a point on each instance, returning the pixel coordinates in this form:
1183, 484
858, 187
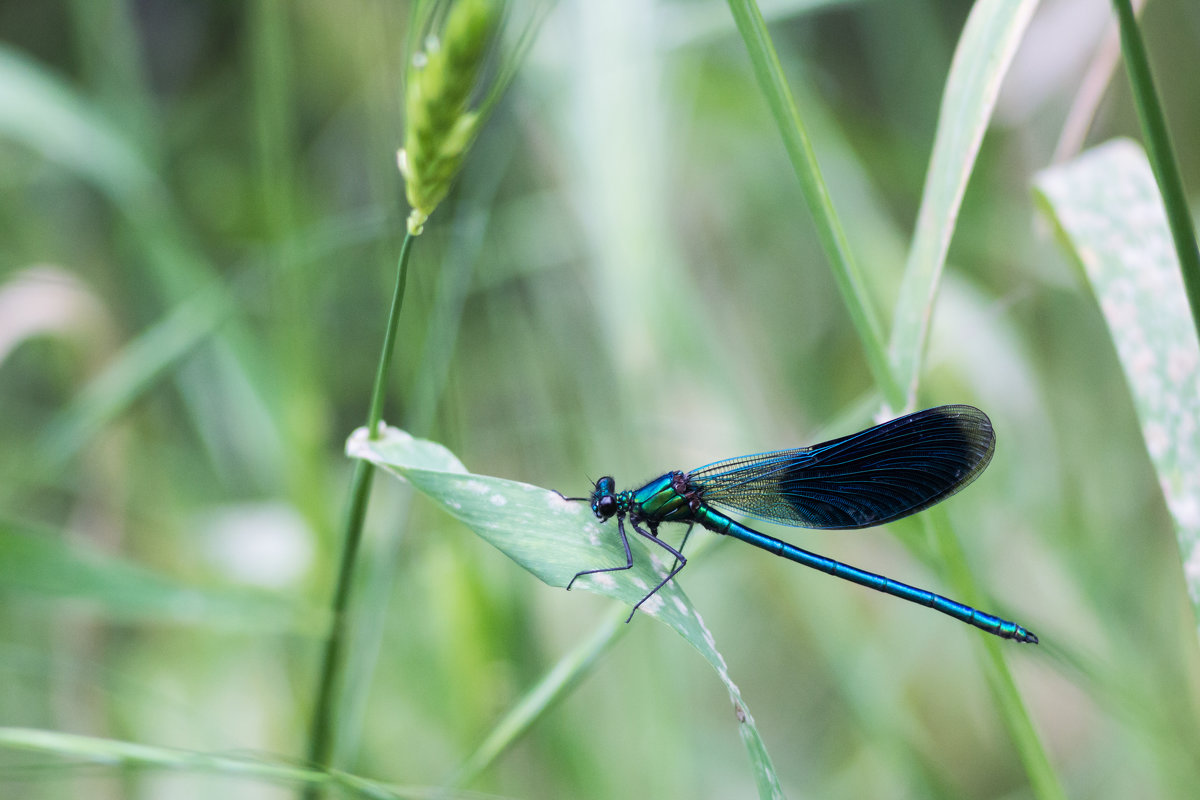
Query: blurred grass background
201, 212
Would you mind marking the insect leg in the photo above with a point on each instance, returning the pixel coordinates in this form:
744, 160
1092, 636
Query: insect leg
628, 556
682, 543
680, 563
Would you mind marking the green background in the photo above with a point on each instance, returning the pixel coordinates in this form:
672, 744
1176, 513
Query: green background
199, 218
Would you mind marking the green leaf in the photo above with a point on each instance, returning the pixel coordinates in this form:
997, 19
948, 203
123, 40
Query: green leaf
985, 50
1110, 216
554, 539
44, 564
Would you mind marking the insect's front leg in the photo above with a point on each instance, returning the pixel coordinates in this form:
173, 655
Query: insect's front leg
628, 557
680, 562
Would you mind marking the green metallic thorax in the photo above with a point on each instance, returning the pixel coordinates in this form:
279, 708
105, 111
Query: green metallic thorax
660, 500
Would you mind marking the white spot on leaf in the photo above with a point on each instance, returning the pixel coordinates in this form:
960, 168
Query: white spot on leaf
1186, 510
653, 605
604, 580
1157, 440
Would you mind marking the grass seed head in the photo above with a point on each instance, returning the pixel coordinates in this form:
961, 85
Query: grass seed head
439, 126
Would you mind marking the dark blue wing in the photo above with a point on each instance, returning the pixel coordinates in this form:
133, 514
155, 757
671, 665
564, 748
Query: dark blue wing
868, 478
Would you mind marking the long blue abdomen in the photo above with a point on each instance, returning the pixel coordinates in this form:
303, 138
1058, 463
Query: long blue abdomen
719, 523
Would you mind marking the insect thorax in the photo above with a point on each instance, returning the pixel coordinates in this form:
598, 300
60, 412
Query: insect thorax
665, 499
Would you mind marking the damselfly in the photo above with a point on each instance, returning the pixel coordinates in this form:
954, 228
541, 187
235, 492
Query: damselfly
868, 478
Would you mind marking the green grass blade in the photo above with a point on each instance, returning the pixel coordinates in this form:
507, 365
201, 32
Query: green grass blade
1042, 777
985, 50
561, 679
1110, 216
49, 118
1162, 155
43, 113
773, 84
131, 755
159, 350
691, 24
554, 539
136, 368
42, 564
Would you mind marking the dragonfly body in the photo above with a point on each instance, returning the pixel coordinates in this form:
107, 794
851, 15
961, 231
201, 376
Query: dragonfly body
869, 478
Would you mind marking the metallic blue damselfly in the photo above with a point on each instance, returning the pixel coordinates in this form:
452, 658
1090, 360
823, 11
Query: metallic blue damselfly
868, 478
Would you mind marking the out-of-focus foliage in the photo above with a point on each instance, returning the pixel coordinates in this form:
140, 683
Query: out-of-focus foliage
624, 280
1109, 212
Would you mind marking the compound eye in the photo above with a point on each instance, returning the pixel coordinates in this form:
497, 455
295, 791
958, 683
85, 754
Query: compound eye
606, 506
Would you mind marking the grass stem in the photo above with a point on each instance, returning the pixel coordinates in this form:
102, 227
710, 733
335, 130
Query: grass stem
321, 734
1161, 153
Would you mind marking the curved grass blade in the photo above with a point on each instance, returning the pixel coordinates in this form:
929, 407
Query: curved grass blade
853, 288
1162, 155
774, 86
40, 111
982, 56
43, 114
554, 539
1109, 214
554, 685
163, 346
984, 52
123, 756
40, 563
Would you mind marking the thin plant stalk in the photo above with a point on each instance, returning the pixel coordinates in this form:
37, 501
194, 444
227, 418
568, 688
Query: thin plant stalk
1161, 153
321, 734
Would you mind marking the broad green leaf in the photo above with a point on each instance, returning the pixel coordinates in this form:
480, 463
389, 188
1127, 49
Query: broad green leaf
1109, 215
554, 539
43, 564
981, 60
